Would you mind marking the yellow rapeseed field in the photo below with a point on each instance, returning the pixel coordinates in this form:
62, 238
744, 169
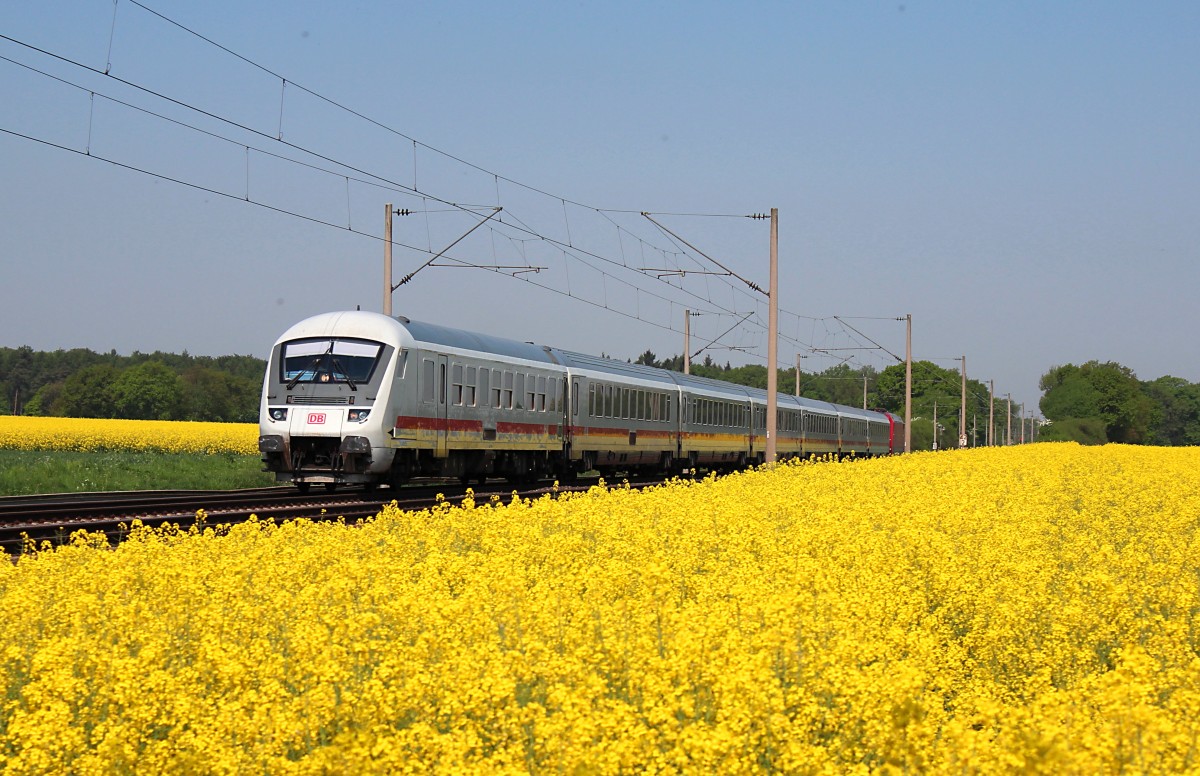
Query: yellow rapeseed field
998, 610
93, 435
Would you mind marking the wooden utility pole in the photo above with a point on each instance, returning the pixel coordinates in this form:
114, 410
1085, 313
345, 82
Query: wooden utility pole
962, 415
1008, 433
387, 259
908, 386
773, 338
991, 411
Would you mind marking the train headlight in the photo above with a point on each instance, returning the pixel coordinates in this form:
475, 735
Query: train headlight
279, 413
357, 416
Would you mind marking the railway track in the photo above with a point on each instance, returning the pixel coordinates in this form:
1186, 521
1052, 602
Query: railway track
55, 518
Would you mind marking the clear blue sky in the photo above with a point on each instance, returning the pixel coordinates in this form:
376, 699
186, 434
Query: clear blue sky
1023, 178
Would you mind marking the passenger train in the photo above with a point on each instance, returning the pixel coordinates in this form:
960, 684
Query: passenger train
363, 398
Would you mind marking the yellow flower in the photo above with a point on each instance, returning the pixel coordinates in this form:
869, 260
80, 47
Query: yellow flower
992, 610
93, 435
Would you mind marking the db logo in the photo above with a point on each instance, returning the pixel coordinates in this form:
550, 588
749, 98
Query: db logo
316, 418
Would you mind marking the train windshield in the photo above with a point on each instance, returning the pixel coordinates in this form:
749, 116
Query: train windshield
329, 360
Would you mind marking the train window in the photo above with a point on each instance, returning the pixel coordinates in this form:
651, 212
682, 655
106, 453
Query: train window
592, 400
541, 393
329, 360
495, 389
608, 401
441, 383
427, 380
519, 392
667, 408
456, 384
469, 388
506, 397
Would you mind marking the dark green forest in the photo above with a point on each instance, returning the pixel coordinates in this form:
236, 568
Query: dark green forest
1092, 403
81, 383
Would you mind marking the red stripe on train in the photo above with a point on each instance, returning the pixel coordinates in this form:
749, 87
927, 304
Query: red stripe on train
422, 423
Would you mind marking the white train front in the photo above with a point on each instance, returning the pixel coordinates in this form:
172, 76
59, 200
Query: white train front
358, 397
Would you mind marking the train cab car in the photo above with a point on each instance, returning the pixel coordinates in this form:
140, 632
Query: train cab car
325, 393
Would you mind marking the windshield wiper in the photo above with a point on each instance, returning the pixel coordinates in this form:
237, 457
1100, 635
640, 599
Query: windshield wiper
316, 362
338, 366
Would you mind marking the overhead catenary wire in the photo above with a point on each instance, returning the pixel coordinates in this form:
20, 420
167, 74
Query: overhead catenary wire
367, 177
384, 180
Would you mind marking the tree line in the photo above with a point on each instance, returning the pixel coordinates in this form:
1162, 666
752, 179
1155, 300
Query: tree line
81, 383
1092, 403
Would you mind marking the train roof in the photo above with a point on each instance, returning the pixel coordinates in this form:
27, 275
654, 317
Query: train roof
707, 385
610, 366
353, 324
459, 339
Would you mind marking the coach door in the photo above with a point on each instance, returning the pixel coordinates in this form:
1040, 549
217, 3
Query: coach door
572, 415
442, 423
